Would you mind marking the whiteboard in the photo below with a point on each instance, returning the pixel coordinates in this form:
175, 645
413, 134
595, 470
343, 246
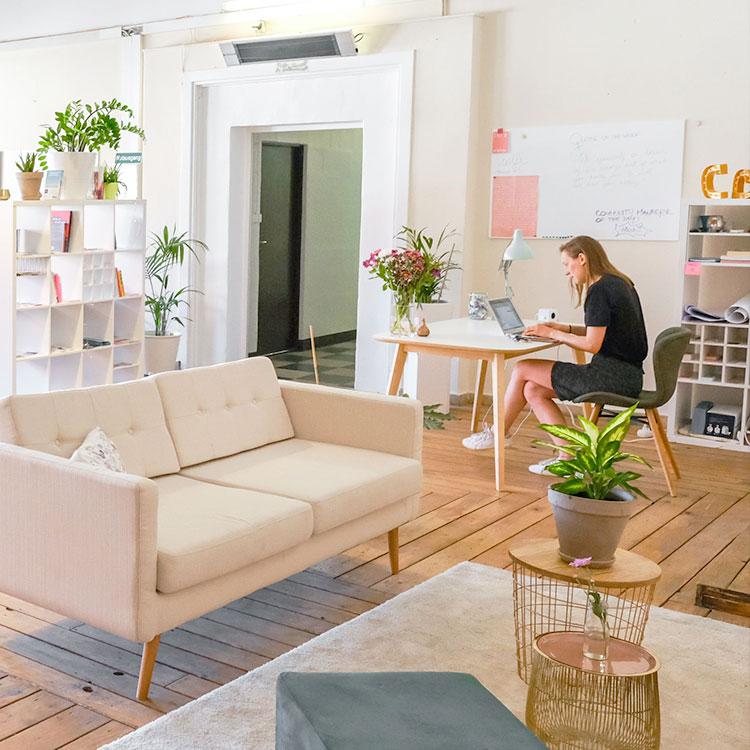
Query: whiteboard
610, 181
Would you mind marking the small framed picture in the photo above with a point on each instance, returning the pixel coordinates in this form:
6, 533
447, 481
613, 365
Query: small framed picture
52, 183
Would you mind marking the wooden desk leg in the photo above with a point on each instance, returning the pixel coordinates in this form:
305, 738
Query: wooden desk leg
580, 356
498, 415
478, 393
397, 371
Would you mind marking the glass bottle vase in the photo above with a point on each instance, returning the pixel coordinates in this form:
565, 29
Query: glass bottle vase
402, 322
595, 629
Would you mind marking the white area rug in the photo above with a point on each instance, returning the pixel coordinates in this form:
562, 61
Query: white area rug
462, 621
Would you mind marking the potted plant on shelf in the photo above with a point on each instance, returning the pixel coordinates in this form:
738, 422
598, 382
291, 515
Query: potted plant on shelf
79, 132
592, 505
415, 272
28, 178
112, 183
168, 252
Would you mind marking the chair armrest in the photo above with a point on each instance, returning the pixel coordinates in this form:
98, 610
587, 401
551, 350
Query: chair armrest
389, 424
77, 540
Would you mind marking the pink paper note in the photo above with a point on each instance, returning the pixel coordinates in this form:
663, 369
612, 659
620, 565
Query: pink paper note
692, 269
515, 203
500, 141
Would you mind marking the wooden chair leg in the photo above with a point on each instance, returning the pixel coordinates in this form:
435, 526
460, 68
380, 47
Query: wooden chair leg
393, 549
148, 658
662, 448
596, 412
667, 445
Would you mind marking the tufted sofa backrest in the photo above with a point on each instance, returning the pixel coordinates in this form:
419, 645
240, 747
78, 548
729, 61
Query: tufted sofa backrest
130, 413
221, 410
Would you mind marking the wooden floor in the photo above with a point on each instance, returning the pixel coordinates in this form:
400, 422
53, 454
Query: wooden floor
65, 684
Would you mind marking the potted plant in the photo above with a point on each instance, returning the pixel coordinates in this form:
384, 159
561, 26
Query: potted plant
414, 272
79, 132
594, 502
112, 183
168, 251
28, 178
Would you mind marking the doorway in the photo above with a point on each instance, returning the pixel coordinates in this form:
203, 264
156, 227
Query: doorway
310, 199
280, 247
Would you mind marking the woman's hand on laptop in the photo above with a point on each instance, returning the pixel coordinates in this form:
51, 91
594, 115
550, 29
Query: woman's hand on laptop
545, 330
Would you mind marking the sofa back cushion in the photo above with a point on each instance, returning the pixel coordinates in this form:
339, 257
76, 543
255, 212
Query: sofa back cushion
130, 414
224, 409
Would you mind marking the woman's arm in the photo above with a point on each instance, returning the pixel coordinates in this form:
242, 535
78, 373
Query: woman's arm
585, 338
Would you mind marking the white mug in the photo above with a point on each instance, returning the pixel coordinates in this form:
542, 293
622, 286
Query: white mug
546, 314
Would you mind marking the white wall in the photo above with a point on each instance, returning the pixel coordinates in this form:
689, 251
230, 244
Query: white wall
332, 201
34, 83
577, 62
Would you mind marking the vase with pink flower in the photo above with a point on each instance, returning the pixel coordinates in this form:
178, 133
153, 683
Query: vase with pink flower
595, 625
415, 272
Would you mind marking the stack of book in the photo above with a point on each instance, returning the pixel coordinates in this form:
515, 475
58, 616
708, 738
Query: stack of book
736, 256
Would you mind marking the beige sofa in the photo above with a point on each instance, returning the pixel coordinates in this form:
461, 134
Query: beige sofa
235, 480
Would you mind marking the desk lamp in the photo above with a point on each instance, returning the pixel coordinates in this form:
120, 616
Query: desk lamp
518, 249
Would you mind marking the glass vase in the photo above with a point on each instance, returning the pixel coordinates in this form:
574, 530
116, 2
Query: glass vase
402, 323
595, 628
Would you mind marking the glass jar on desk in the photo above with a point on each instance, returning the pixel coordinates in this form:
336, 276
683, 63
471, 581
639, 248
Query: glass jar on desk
479, 306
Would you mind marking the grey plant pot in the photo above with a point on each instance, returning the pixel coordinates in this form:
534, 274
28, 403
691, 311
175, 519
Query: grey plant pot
590, 528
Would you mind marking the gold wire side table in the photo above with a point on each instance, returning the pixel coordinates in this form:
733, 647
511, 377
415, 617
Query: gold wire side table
575, 703
549, 595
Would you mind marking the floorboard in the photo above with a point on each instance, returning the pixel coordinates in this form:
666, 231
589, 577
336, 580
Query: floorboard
65, 684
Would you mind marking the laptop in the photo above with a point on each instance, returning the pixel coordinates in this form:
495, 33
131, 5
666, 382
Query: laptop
510, 321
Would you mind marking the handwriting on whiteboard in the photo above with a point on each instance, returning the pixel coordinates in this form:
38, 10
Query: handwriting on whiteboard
629, 223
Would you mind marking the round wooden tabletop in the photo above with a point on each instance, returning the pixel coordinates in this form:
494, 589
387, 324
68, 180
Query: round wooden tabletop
628, 571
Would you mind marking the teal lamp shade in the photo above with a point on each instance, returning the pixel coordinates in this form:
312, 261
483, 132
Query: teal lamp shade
518, 248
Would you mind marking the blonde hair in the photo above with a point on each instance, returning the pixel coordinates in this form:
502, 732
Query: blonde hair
597, 263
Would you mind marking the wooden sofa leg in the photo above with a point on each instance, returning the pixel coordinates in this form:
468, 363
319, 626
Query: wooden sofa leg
662, 449
393, 549
596, 412
150, 650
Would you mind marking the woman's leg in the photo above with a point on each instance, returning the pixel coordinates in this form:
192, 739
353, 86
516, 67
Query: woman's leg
538, 371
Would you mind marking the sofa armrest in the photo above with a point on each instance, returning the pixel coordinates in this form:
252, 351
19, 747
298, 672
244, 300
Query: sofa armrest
389, 424
77, 540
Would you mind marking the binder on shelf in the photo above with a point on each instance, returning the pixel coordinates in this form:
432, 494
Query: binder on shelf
60, 231
58, 287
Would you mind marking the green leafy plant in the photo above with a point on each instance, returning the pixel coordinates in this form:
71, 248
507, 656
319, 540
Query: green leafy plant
26, 162
87, 127
432, 419
590, 471
430, 283
168, 251
111, 175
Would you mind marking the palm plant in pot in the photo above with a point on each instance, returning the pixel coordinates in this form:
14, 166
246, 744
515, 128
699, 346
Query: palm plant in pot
29, 179
593, 503
168, 253
79, 133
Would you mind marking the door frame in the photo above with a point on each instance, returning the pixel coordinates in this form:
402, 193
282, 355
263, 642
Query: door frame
372, 369
253, 262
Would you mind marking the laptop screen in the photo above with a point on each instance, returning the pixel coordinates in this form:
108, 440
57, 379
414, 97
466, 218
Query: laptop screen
506, 315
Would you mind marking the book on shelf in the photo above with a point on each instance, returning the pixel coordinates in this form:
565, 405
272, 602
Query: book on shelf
58, 287
702, 259
60, 231
735, 256
120, 283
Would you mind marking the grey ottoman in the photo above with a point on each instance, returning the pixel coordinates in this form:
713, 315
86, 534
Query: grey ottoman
393, 711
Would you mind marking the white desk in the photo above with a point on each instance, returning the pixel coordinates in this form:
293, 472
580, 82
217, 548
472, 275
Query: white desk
479, 340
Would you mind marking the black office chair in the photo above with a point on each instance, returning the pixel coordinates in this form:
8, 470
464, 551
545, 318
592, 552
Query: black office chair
669, 348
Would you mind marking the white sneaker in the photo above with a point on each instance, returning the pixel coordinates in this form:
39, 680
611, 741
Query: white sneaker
541, 467
482, 441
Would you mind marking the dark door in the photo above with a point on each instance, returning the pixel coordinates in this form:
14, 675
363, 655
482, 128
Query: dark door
280, 247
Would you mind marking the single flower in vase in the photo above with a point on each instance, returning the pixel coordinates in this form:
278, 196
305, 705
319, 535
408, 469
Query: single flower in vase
595, 625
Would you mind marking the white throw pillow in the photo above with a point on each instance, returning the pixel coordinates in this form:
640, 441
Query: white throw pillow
98, 450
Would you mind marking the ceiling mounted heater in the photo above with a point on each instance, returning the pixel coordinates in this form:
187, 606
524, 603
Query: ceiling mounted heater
301, 46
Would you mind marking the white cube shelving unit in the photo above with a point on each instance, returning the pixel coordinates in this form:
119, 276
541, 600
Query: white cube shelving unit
716, 366
47, 346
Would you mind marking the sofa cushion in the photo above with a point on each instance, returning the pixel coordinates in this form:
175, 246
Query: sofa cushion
206, 531
224, 409
340, 483
129, 413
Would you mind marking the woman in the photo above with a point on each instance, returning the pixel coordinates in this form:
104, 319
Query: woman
614, 332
